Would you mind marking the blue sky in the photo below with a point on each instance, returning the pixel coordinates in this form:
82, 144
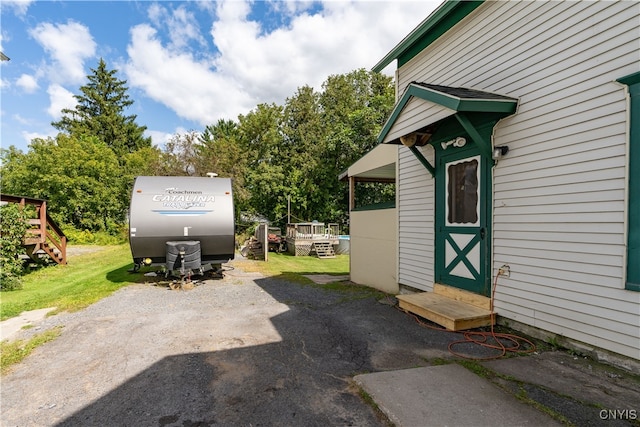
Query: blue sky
187, 63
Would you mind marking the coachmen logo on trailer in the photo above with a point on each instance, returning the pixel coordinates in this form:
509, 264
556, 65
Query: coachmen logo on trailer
184, 224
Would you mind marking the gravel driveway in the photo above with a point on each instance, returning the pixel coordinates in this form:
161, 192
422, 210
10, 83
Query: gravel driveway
242, 350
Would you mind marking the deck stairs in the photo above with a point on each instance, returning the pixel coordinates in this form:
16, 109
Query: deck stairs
39, 251
44, 239
324, 250
453, 308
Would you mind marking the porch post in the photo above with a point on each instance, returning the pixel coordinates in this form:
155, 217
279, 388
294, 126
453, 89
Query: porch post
352, 193
43, 222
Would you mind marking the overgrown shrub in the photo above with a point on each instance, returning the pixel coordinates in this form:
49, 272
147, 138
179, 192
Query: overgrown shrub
13, 226
102, 238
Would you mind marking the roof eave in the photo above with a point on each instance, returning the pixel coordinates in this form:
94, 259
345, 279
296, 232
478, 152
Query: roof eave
506, 106
437, 23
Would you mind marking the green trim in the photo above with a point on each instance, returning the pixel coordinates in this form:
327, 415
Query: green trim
481, 285
484, 144
423, 160
462, 104
633, 242
439, 22
463, 253
630, 80
502, 106
375, 206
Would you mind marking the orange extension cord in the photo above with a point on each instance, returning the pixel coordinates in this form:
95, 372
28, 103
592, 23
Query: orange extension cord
517, 344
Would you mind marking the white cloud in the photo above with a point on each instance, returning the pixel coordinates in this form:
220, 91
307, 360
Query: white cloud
28, 83
29, 136
19, 6
193, 90
183, 27
159, 138
181, 24
22, 120
59, 98
252, 65
291, 7
68, 45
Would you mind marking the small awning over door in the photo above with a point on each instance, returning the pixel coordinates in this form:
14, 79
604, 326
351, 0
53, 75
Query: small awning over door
429, 114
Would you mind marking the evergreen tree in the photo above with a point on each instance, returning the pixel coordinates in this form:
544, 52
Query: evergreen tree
100, 112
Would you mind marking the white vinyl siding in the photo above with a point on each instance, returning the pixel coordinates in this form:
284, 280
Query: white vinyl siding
559, 198
415, 193
414, 115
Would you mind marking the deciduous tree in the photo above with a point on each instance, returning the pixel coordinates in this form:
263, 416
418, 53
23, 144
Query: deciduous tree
79, 176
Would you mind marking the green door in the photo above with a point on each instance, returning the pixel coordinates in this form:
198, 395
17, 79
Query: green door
463, 184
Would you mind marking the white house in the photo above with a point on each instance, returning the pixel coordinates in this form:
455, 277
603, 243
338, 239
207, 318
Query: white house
517, 164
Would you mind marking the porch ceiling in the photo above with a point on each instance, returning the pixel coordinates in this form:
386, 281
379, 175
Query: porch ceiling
379, 164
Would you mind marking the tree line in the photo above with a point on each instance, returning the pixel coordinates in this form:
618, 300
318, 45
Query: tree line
277, 155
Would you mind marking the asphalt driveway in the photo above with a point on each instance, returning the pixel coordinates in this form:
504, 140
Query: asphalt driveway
248, 350
244, 350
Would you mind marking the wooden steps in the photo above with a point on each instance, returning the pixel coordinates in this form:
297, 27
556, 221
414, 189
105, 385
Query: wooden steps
43, 236
40, 251
324, 250
455, 309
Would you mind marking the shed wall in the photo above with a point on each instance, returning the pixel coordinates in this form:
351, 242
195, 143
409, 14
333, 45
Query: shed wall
560, 194
373, 240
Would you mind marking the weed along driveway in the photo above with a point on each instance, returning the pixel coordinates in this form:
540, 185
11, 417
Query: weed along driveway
243, 350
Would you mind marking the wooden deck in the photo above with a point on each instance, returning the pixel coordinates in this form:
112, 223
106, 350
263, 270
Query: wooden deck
44, 238
452, 308
308, 238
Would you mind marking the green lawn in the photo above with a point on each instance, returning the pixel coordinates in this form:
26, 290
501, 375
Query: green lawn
83, 281
90, 277
293, 267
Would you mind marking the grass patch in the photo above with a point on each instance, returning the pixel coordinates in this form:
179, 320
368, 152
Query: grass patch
83, 281
294, 267
439, 361
513, 386
475, 367
366, 397
15, 351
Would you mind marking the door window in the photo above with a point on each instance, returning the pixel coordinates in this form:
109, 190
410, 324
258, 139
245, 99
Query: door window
462, 193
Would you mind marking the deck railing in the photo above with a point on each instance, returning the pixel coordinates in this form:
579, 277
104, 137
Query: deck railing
43, 234
312, 231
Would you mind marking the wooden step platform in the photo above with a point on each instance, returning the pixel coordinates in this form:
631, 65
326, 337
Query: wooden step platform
452, 308
324, 250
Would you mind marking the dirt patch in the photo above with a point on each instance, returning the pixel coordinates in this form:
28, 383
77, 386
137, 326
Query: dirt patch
323, 279
10, 327
74, 250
